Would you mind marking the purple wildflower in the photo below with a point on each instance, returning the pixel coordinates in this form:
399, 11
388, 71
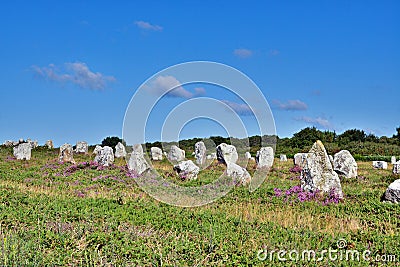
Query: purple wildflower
79, 194
295, 169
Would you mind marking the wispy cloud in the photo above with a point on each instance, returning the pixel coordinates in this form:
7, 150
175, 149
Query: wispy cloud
243, 53
319, 122
77, 73
163, 84
199, 91
292, 105
274, 52
241, 109
148, 26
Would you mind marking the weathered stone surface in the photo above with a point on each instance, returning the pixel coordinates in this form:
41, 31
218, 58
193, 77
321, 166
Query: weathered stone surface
393, 159
282, 157
238, 173
378, 164
81, 147
396, 168
33, 144
8, 143
187, 170
318, 173
120, 151
247, 155
331, 159
105, 156
97, 149
49, 144
23, 151
392, 193
300, 159
176, 154
200, 152
156, 153
265, 157
345, 164
66, 154
212, 156
226, 153
137, 162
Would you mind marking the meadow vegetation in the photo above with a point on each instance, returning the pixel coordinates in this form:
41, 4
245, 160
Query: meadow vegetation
54, 214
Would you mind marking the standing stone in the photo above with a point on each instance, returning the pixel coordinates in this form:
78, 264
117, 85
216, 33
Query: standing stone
156, 153
212, 156
238, 173
299, 159
378, 164
97, 149
176, 154
345, 164
10, 143
318, 173
137, 162
187, 170
120, 151
200, 152
265, 157
393, 160
33, 144
392, 193
23, 151
105, 156
66, 154
81, 147
396, 168
283, 157
49, 144
331, 159
247, 155
226, 153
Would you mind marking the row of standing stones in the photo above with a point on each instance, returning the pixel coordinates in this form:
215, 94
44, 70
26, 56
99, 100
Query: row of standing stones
319, 171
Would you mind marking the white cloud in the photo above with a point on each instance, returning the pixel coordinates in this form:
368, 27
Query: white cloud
241, 109
163, 84
320, 122
77, 73
290, 105
243, 53
148, 26
199, 91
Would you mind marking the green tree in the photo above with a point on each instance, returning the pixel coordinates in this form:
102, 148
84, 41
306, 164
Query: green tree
111, 141
306, 137
352, 135
397, 136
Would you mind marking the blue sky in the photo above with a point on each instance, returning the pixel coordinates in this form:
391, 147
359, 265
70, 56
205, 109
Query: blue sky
69, 70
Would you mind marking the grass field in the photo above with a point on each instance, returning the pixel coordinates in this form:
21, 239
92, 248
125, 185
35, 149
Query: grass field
81, 215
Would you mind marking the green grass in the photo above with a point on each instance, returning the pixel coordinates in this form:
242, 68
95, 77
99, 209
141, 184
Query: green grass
102, 218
